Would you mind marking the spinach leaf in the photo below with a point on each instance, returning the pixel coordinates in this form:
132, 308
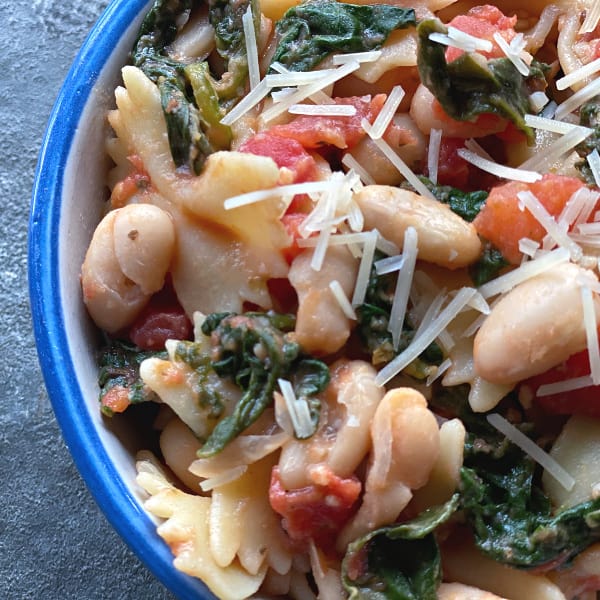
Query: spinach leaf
373, 319
589, 116
400, 562
311, 31
255, 350
471, 85
489, 265
119, 373
465, 204
188, 143
226, 18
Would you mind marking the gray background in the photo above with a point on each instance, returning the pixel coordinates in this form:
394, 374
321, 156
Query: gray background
54, 542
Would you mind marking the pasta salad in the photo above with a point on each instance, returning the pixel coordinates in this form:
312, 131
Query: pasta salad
348, 281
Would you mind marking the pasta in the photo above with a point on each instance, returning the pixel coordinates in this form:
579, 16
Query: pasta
349, 271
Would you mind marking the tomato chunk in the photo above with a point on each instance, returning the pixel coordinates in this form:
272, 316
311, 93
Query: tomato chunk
583, 401
317, 511
341, 132
503, 223
482, 22
286, 152
162, 319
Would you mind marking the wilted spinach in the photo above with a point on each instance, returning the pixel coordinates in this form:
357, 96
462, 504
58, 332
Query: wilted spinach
254, 350
188, 92
471, 85
373, 318
589, 116
311, 31
400, 561
489, 265
119, 370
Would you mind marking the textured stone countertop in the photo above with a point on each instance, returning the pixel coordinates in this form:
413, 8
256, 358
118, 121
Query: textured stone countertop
54, 541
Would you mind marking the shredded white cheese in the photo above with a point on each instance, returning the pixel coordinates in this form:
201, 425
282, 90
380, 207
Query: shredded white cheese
530, 447
547, 221
342, 299
578, 75
553, 125
433, 154
361, 57
325, 110
389, 264
521, 174
538, 100
248, 102
403, 285
593, 159
526, 271
591, 19
426, 337
297, 409
464, 41
566, 385
364, 268
577, 99
387, 112
349, 161
515, 51
441, 369
591, 332
251, 48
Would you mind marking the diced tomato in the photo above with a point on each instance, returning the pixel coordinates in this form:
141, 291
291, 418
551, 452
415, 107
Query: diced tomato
286, 152
452, 169
116, 400
317, 511
584, 401
162, 319
341, 132
137, 181
503, 223
482, 22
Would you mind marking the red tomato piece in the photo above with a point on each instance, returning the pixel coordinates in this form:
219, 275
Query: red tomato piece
137, 181
161, 320
482, 22
503, 223
317, 511
584, 401
286, 152
341, 132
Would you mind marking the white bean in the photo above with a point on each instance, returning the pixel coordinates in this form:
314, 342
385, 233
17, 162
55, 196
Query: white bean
125, 263
534, 327
444, 238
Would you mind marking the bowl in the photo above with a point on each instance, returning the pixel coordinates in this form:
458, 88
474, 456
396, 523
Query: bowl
67, 200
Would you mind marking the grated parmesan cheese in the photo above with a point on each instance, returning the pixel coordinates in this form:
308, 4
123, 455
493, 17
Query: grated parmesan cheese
349, 161
433, 154
248, 102
464, 41
426, 337
526, 271
515, 52
361, 57
591, 19
364, 268
520, 174
441, 369
297, 410
342, 299
577, 99
553, 125
530, 447
251, 48
547, 221
327, 110
578, 75
537, 101
593, 159
387, 112
591, 332
403, 285
567, 385
389, 264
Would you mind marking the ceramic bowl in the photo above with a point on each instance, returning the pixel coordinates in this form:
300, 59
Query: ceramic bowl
67, 201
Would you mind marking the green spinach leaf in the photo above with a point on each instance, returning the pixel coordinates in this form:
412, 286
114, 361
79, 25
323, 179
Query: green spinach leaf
471, 85
311, 31
589, 116
119, 372
489, 265
254, 350
400, 562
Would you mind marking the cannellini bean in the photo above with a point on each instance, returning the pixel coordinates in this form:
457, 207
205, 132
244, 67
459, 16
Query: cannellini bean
460, 591
343, 438
444, 238
406, 446
126, 262
535, 326
179, 446
321, 325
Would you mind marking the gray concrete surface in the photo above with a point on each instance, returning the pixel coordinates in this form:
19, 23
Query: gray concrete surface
54, 542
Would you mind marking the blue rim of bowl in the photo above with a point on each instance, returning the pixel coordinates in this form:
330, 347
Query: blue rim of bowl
102, 478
